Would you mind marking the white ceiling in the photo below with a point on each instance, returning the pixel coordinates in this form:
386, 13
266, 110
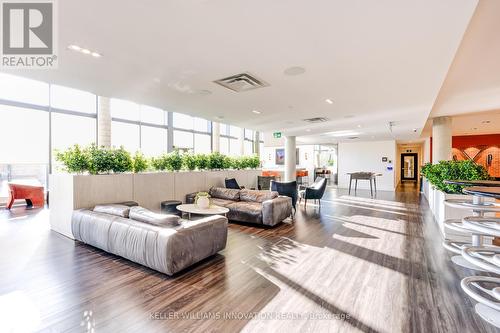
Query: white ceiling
379, 61
473, 82
472, 123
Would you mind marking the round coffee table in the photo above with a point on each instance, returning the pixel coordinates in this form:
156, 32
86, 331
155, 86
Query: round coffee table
194, 209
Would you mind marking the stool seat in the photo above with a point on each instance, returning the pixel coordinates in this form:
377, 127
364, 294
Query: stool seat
486, 308
455, 247
456, 225
468, 204
484, 257
170, 207
485, 225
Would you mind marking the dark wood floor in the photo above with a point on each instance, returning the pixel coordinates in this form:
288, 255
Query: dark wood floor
356, 264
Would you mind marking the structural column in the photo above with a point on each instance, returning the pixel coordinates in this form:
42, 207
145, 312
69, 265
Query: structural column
241, 142
256, 143
215, 136
103, 122
441, 139
170, 132
290, 159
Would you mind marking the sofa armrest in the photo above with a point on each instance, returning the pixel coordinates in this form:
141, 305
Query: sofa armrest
276, 210
195, 241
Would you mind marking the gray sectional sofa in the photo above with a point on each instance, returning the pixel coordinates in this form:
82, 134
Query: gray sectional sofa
164, 243
250, 206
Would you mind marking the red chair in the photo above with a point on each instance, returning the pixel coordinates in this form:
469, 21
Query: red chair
33, 195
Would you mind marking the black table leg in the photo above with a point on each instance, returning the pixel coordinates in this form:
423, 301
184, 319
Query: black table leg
371, 189
350, 183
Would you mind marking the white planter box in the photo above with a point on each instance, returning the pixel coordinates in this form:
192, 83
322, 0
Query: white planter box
441, 212
69, 192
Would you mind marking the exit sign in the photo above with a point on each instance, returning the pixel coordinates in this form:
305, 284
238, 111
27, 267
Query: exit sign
277, 135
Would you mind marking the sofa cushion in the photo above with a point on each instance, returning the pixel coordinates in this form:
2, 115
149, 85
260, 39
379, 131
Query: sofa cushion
245, 211
257, 196
225, 193
142, 214
113, 209
220, 202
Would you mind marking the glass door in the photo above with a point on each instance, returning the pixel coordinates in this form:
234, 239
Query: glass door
409, 166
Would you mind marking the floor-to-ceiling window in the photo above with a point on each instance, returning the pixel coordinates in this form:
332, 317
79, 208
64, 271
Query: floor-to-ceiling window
73, 119
154, 127
38, 118
248, 142
192, 134
138, 127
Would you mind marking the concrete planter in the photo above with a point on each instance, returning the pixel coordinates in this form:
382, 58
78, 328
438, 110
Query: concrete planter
441, 212
69, 192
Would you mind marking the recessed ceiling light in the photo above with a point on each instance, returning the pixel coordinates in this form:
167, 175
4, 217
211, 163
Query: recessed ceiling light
342, 133
308, 130
296, 70
76, 48
256, 111
349, 116
329, 101
219, 117
359, 126
204, 92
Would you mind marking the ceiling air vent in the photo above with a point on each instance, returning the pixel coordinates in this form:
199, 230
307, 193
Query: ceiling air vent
353, 137
316, 120
242, 82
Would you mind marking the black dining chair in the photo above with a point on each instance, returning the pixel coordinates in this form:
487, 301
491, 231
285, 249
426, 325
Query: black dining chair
288, 189
315, 191
264, 182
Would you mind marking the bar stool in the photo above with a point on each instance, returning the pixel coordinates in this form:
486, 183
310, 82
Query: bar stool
479, 207
488, 258
486, 308
485, 257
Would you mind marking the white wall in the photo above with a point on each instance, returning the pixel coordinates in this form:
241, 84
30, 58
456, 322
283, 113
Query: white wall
427, 150
367, 156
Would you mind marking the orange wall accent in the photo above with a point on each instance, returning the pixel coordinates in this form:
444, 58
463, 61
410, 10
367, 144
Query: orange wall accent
465, 141
472, 144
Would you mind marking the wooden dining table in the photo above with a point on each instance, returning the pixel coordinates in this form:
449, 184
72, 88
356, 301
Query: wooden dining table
370, 176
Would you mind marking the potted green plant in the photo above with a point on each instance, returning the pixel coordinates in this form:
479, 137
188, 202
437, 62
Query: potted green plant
189, 161
140, 162
74, 159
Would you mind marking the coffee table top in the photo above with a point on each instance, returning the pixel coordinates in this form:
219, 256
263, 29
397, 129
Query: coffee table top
493, 192
194, 209
488, 183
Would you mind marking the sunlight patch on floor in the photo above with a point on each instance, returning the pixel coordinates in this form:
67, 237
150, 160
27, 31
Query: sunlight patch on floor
374, 201
371, 204
325, 280
18, 313
368, 208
